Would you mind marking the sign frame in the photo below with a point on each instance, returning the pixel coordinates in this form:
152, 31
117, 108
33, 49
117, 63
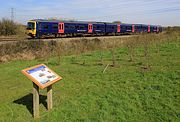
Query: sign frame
42, 86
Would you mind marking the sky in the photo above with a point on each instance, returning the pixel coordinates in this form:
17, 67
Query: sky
158, 12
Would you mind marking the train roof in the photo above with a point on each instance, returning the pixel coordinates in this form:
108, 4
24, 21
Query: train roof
83, 22
67, 21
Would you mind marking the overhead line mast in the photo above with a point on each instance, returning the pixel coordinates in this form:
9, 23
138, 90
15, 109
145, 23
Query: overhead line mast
12, 14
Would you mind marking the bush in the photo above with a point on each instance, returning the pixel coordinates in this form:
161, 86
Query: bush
9, 27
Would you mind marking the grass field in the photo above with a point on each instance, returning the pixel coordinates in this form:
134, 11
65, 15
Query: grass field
127, 92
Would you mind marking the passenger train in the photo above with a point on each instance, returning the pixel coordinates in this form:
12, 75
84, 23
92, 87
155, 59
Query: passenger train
40, 27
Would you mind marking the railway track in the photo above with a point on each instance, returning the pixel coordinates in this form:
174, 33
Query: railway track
7, 40
4, 40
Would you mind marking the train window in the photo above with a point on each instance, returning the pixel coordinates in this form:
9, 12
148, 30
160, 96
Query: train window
77, 27
72, 27
66, 27
30, 25
81, 27
123, 27
112, 27
62, 27
45, 27
128, 27
55, 26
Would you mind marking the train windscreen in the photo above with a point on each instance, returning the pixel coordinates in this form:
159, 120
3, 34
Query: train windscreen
30, 26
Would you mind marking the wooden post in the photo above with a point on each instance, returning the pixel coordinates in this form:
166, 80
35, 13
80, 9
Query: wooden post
35, 101
49, 97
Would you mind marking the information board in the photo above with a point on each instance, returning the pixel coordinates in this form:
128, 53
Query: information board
41, 75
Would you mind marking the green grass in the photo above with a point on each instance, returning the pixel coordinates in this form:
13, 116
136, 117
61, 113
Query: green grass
122, 93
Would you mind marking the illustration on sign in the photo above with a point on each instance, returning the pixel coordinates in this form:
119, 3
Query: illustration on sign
42, 74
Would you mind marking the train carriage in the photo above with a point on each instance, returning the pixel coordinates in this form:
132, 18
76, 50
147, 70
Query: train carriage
72, 28
99, 28
47, 28
126, 28
111, 28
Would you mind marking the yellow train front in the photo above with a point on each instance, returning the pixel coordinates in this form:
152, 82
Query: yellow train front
31, 29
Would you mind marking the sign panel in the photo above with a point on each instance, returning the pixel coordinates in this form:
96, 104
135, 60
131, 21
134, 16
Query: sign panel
41, 75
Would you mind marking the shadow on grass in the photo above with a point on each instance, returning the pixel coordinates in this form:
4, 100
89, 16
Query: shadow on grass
27, 101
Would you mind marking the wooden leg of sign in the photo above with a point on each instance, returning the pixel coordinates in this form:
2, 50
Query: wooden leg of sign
49, 97
35, 101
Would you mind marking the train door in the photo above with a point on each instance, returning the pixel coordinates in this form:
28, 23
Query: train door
90, 28
133, 28
61, 28
149, 29
118, 28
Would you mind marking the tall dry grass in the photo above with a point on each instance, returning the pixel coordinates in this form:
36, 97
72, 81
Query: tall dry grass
30, 50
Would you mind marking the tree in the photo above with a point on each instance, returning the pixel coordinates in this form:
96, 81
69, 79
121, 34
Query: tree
7, 27
117, 22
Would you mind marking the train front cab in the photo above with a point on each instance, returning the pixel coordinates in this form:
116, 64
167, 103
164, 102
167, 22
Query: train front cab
31, 29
